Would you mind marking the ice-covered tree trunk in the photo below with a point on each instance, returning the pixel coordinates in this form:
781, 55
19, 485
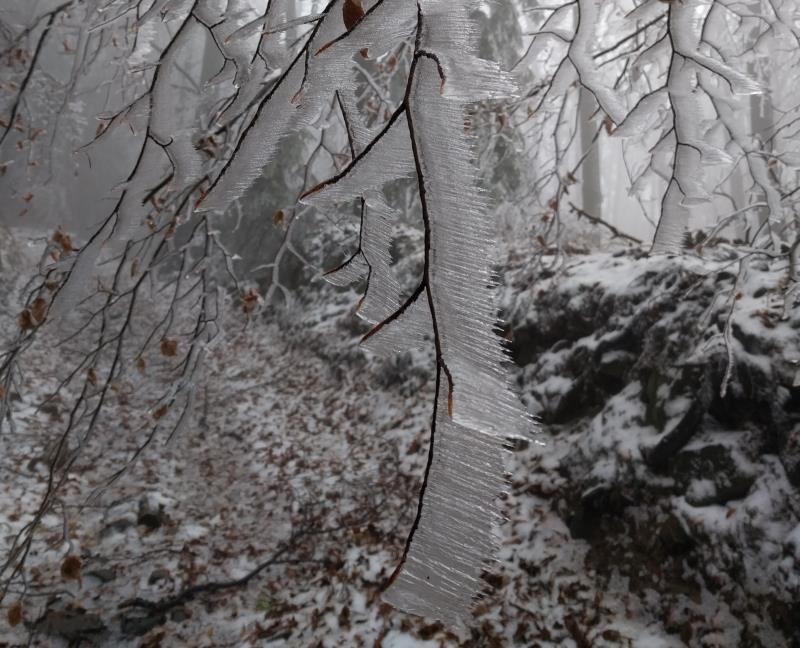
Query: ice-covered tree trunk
674, 79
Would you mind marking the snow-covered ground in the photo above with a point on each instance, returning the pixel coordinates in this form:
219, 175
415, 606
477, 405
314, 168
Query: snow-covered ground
295, 486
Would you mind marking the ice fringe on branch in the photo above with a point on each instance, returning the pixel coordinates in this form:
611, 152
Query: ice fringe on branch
452, 537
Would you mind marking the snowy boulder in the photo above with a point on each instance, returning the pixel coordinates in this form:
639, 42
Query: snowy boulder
704, 349
713, 473
669, 395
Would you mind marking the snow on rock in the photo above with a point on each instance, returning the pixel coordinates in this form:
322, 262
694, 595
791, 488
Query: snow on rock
665, 481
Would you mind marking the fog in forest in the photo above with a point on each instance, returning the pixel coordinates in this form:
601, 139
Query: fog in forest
393, 323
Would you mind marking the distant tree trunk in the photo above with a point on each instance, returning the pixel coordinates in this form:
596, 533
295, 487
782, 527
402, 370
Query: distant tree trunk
591, 184
762, 119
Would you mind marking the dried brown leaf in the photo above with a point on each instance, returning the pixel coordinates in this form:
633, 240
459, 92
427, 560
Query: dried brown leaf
14, 614
352, 12
169, 347
64, 240
38, 309
25, 320
249, 301
71, 568
160, 412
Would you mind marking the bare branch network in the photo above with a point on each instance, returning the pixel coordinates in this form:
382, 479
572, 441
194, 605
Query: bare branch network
392, 94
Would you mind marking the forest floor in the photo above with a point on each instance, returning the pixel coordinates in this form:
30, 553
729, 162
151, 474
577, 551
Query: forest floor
275, 519
309, 460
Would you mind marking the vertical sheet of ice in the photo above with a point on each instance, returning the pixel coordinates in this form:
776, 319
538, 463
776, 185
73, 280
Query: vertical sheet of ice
150, 29
383, 294
410, 330
476, 410
455, 536
172, 124
687, 22
309, 86
372, 261
387, 160
453, 308
462, 231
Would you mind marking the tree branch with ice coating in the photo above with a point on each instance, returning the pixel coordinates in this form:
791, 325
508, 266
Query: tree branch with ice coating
452, 536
